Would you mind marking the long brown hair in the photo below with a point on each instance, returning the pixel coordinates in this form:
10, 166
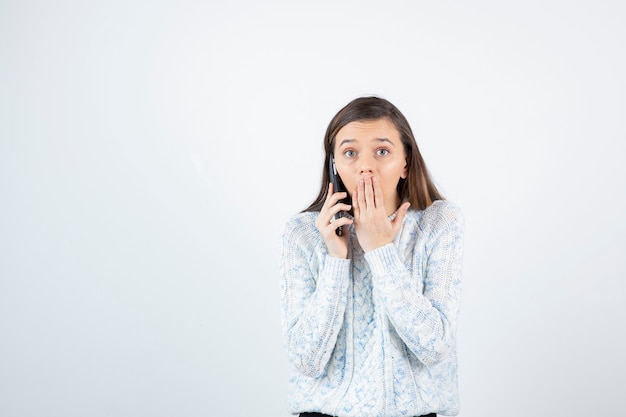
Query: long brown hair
417, 188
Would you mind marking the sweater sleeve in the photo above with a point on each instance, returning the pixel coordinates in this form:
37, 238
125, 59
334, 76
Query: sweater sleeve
424, 320
313, 298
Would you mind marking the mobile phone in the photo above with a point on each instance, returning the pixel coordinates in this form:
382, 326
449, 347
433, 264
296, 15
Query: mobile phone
337, 187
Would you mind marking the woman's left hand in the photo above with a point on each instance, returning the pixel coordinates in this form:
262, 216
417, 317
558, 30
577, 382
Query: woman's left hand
371, 223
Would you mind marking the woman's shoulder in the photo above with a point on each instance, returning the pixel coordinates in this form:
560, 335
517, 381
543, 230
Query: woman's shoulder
442, 213
303, 219
301, 227
445, 208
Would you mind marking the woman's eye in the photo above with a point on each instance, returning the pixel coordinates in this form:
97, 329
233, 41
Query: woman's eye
382, 152
349, 154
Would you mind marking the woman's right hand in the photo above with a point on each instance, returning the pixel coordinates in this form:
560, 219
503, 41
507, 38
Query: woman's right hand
337, 245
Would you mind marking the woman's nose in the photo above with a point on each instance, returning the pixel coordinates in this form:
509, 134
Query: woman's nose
366, 167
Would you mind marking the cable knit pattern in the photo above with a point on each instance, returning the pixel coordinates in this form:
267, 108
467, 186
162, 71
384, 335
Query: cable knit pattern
374, 335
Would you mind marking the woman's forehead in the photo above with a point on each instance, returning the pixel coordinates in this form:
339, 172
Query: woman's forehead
369, 130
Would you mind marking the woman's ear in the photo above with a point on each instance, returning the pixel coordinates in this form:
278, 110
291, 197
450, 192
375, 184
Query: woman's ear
405, 172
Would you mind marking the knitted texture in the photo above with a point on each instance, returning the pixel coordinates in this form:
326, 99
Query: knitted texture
374, 335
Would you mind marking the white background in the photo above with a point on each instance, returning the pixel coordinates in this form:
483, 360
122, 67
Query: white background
150, 152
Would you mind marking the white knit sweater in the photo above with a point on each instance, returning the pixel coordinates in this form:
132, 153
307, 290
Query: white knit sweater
374, 335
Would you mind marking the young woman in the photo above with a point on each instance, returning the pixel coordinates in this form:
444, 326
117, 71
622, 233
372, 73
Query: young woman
370, 314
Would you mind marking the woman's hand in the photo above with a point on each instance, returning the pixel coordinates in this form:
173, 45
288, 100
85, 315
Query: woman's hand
337, 245
371, 223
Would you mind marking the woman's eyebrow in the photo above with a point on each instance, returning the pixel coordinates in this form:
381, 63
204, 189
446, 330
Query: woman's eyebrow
383, 140
375, 140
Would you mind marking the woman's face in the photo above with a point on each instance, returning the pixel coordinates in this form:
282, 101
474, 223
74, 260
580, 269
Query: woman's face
371, 148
